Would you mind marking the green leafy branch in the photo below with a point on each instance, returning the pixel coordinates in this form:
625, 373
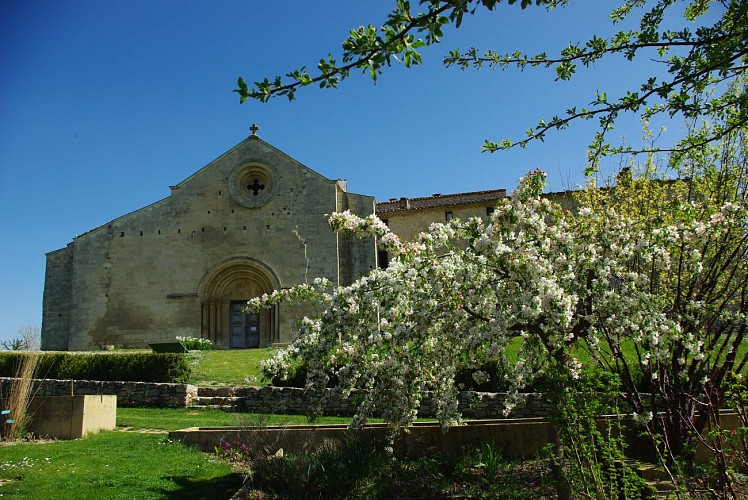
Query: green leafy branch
709, 57
701, 63
370, 49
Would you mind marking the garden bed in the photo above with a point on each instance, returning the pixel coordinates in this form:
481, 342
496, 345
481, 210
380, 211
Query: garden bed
515, 437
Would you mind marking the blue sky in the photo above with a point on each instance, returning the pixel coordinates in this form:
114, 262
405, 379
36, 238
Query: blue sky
106, 104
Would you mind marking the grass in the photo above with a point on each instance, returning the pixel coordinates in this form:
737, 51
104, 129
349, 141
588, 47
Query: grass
170, 419
146, 465
238, 367
114, 465
124, 465
232, 367
119, 465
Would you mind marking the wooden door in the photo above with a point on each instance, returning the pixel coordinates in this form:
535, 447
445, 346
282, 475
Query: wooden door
244, 328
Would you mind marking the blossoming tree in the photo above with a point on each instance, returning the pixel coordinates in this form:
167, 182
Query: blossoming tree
648, 279
461, 291
696, 219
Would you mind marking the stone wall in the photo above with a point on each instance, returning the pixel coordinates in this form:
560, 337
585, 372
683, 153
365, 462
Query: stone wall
408, 223
130, 394
280, 400
292, 400
57, 293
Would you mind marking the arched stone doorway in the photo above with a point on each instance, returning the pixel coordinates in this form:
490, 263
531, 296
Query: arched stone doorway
224, 290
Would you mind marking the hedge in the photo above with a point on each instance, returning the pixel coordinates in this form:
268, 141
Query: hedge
131, 367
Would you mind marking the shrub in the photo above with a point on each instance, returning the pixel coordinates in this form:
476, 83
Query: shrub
196, 344
327, 470
495, 382
296, 377
233, 451
134, 367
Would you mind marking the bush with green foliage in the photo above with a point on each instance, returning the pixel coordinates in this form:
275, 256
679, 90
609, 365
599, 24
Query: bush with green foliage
352, 469
196, 344
134, 367
330, 470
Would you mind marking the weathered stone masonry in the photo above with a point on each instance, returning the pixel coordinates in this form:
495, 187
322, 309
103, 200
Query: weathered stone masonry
291, 400
248, 223
280, 400
129, 394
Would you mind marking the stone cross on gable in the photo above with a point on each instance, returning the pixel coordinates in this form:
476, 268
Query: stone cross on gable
254, 128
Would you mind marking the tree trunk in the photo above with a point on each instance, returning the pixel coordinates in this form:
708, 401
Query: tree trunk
558, 465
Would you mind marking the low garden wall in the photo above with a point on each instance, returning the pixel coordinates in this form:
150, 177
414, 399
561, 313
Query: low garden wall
292, 400
281, 400
129, 394
515, 438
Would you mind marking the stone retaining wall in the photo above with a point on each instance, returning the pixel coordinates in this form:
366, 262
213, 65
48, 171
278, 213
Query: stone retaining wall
292, 400
281, 400
132, 394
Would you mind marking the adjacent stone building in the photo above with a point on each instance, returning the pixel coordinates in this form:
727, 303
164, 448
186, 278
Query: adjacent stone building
406, 217
250, 222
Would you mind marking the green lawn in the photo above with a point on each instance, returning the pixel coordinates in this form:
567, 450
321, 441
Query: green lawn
114, 465
123, 465
169, 419
228, 367
119, 465
134, 465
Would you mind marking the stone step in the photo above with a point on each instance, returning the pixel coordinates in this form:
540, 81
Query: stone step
652, 473
225, 408
657, 480
218, 401
224, 392
215, 391
662, 489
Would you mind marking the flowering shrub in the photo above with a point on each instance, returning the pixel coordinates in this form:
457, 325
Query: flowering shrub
233, 451
459, 291
196, 344
558, 281
695, 216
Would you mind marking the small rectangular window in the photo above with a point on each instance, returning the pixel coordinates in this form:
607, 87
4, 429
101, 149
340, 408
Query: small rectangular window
448, 216
489, 210
383, 259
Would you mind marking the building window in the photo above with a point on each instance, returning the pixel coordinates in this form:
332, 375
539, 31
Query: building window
254, 184
489, 210
448, 216
383, 260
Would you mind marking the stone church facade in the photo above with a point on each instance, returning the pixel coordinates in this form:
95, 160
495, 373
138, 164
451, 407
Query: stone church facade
250, 222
